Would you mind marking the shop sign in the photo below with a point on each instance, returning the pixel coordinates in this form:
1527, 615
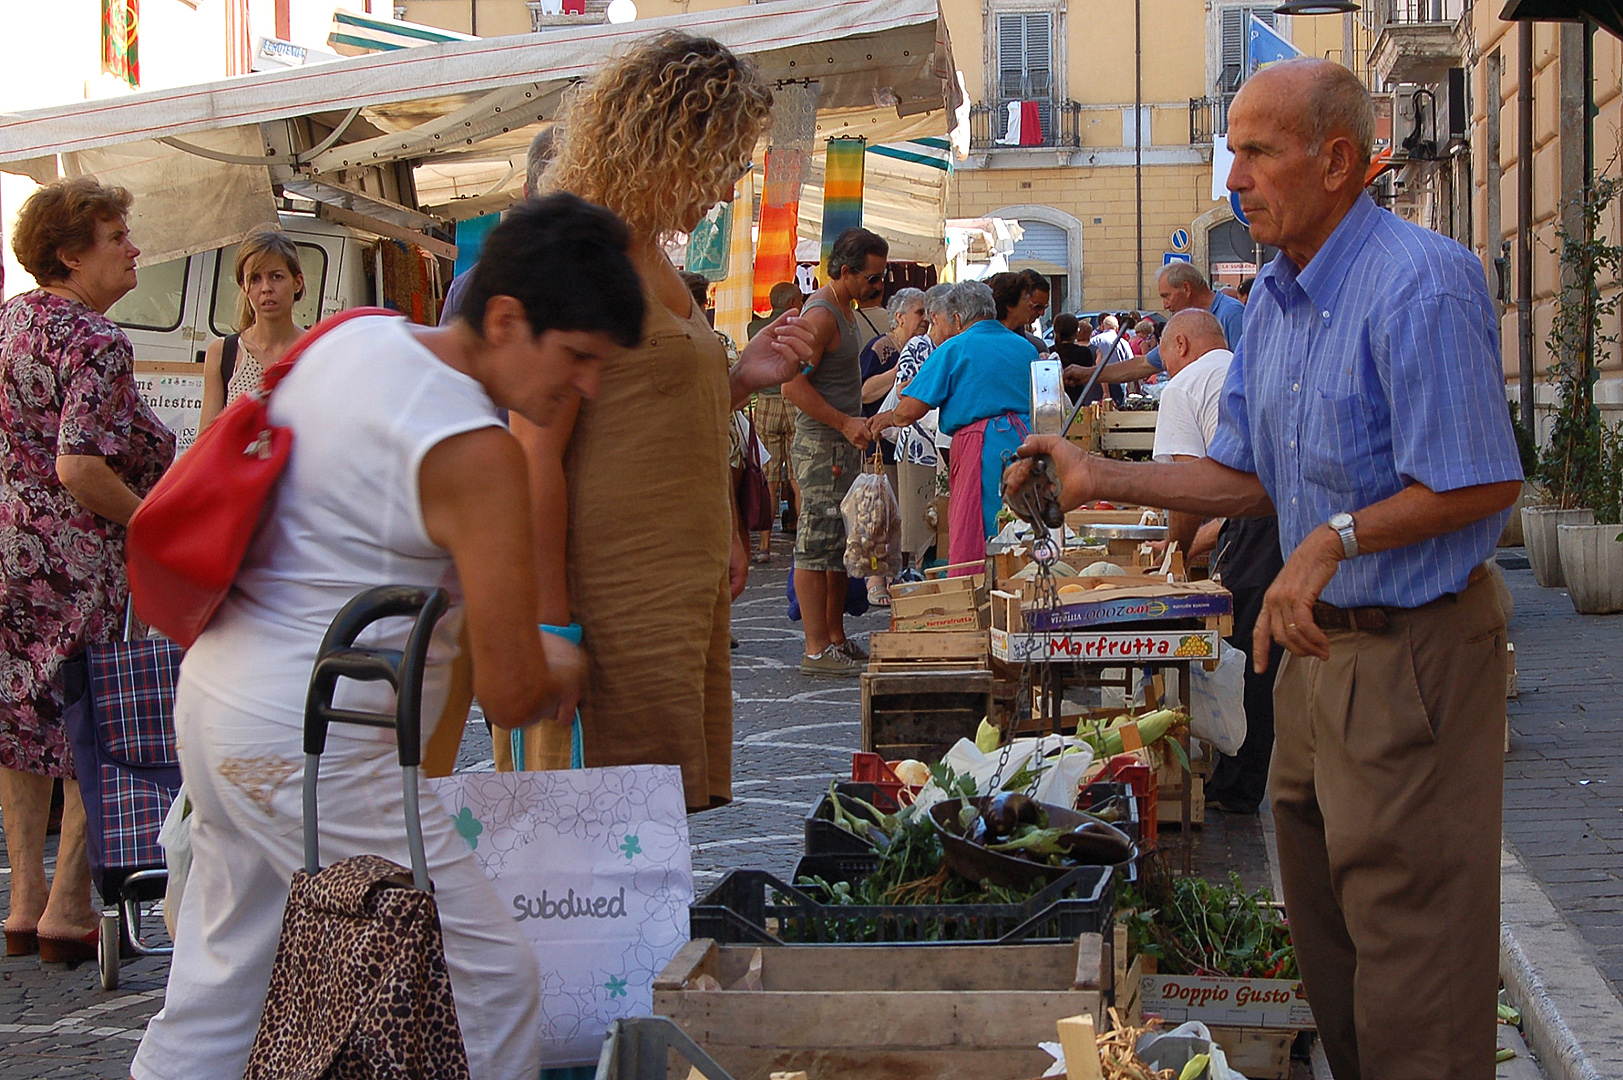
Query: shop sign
1269, 1003
173, 391
1104, 647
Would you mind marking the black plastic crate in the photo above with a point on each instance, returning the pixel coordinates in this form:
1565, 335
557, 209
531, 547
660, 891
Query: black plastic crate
823, 837
836, 868
754, 907
1100, 792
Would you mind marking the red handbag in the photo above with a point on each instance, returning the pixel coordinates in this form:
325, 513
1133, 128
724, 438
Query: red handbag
188, 537
756, 507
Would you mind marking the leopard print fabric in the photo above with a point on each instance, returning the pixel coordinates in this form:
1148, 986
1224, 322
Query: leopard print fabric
359, 990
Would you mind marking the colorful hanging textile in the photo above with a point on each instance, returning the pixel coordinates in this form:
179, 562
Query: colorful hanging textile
733, 299
788, 164
708, 243
842, 192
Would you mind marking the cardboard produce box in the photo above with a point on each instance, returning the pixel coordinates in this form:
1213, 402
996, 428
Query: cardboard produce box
1214, 1000
1127, 600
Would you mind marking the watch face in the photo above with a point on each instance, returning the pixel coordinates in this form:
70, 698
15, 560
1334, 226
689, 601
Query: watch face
1341, 521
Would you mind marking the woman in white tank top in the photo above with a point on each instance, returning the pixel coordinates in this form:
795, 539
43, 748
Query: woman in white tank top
272, 280
401, 473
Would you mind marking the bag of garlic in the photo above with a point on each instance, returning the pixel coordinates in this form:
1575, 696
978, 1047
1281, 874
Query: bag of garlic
873, 527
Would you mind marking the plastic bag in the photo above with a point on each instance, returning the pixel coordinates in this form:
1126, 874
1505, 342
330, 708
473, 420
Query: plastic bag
1217, 701
873, 528
1058, 785
1173, 1049
175, 837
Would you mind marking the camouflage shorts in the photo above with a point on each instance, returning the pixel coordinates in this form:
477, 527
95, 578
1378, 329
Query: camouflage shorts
825, 464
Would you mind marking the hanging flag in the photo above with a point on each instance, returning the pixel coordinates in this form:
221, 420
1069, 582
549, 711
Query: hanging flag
733, 297
1267, 47
842, 192
1011, 126
120, 51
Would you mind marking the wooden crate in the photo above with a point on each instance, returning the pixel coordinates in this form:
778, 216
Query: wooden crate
943, 650
873, 1012
1128, 429
922, 713
940, 604
1257, 1053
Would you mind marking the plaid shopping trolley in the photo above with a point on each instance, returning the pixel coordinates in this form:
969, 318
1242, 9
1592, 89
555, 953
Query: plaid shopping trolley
119, 714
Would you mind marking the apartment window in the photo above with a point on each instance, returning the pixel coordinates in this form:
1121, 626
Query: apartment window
1025, 64
1234, 59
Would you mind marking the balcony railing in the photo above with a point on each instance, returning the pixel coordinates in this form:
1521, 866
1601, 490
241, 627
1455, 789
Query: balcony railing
1203, 114
1059, 125
1417, 12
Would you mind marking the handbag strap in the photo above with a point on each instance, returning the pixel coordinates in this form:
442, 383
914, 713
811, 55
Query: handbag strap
277, 371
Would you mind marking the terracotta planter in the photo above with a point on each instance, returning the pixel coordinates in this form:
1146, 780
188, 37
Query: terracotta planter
1592, 562
1538, 531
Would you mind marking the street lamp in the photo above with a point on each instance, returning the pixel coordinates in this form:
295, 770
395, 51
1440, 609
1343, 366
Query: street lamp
1315, 7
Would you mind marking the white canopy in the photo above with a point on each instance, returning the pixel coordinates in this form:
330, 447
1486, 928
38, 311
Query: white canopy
416, 137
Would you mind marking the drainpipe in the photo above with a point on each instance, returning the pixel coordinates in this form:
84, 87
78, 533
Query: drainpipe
1138, 141
1524, 222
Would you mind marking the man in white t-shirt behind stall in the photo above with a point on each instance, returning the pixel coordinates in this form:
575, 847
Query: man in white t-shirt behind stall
1247, 555
1197, 357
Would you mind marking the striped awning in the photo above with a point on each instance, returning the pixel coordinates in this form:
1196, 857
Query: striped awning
366, 34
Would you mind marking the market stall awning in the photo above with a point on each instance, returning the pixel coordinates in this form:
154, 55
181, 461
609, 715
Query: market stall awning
418, 136
1607, 14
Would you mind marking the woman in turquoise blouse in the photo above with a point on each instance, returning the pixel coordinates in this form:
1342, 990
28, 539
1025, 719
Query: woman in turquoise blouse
981, 382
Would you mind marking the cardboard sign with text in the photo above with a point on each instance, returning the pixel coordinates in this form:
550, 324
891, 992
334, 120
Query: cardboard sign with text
594, 866
1269, 1003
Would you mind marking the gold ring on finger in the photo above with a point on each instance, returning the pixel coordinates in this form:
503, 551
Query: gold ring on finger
1290, 626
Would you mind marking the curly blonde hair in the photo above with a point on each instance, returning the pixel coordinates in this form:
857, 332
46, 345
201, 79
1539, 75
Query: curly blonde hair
659, 131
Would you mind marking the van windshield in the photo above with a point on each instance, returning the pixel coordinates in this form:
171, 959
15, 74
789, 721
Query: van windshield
156, 301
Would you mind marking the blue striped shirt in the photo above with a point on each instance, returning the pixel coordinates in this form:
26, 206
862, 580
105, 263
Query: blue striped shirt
1374, 367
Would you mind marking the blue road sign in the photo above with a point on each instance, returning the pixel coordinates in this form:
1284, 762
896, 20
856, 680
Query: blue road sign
1170, 257
1180, 239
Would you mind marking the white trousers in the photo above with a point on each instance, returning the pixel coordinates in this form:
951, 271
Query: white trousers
244, 775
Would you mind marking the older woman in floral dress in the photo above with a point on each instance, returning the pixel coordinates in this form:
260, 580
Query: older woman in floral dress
78, 450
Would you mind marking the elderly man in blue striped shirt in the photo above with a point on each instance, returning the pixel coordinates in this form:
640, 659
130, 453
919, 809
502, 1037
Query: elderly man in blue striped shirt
1365, 404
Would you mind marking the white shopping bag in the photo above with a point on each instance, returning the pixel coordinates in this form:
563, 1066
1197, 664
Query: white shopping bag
1217, 701
594, 865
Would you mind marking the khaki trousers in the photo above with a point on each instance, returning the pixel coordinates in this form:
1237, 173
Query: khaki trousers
1387, 786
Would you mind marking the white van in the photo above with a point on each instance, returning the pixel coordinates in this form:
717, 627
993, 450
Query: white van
178, 307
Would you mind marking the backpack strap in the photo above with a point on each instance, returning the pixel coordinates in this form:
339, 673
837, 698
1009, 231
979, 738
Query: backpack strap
228, 357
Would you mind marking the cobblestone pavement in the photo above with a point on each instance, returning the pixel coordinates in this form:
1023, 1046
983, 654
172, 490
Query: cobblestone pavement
1564, 773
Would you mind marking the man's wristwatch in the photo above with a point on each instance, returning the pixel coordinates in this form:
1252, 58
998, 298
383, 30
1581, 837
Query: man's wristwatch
1343, 525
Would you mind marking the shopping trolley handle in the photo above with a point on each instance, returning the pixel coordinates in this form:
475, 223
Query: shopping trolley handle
340, 658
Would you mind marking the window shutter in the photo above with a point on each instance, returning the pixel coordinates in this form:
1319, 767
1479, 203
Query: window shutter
1011, 55
1233, 48
1039, 54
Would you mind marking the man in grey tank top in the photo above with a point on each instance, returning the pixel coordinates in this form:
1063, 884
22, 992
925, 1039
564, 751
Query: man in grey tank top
830, 435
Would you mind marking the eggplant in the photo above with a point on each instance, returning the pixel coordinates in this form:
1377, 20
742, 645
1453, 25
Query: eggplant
1094, 844
1003, 813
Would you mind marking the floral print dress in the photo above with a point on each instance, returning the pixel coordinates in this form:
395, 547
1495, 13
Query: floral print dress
67, 386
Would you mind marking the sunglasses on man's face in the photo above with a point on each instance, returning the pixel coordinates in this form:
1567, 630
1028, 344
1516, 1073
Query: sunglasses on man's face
874, 279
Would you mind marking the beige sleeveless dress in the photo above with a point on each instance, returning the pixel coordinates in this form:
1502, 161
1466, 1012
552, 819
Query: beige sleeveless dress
650, 520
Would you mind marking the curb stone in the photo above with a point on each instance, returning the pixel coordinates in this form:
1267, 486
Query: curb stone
1571, 1016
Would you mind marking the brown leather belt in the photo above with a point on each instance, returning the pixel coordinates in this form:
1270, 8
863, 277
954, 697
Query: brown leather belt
1374, 620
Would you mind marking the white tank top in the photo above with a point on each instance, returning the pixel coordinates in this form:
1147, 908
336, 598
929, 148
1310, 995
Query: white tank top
366, 402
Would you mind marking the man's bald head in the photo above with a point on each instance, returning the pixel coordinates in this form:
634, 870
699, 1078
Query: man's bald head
1301, 132
1322, 100
1189, 335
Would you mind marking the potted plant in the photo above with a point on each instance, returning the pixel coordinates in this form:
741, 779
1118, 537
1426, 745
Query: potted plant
1580, 466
